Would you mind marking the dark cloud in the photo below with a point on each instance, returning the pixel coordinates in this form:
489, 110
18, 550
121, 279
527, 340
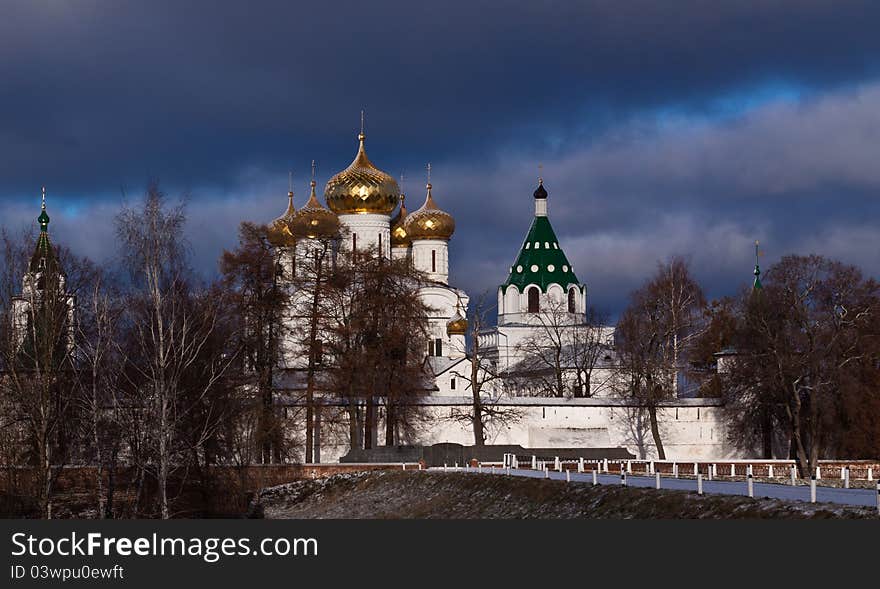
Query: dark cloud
690, 127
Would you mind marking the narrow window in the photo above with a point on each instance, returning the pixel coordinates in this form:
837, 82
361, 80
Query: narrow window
438, 347
534, 306
433, 260
430, 347
354, 241
319, 351
571, 300
381, 251
452, 383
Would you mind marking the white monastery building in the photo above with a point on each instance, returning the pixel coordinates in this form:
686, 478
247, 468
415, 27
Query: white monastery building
541, 289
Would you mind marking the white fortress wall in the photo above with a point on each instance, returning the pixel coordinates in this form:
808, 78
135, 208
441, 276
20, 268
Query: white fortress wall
691, 429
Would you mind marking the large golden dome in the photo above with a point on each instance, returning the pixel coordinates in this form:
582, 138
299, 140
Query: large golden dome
399, 238
429, 222
361, 188
314, 221
279, 230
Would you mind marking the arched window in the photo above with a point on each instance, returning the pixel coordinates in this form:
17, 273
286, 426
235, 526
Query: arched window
571, 301
534, 305
433, 260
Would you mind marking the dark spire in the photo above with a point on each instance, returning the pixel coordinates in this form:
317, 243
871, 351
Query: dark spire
44, 254
757, 285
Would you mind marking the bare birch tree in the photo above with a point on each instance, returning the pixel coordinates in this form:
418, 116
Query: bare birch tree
171, 332
653, 337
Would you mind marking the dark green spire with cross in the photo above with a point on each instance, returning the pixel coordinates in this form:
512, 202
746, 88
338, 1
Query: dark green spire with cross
44, 254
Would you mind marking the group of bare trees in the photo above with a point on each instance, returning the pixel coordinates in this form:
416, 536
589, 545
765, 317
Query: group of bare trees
796, 359
804, 362
129, 368
149, 375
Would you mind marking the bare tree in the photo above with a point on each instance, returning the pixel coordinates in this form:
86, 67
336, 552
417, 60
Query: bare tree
100, 362
251, 275
314, 278
376, 325
562, 353
653, 337
484, 379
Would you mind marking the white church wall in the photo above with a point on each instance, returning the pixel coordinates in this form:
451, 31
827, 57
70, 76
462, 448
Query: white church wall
692, 429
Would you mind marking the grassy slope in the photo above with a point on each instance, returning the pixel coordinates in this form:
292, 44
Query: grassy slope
408, 495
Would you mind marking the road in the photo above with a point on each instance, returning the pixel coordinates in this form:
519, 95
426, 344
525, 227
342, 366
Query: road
857, 497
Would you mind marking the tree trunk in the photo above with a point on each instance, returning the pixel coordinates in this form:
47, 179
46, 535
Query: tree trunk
390, 422
354, 426
370, 424
162, 475
655, 431
767, 433
111, 485
138, 492
317, 429
310, 417
479, 435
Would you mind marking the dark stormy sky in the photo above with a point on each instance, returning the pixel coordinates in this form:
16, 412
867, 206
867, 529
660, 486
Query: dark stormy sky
664, 128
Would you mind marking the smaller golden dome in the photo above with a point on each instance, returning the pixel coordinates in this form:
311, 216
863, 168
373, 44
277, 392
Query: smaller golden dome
458, 325
399, 238
429, 222
279, 229
314, 221
361, 188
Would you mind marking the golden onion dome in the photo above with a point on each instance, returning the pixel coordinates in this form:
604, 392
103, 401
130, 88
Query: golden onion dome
279, 232
429, 222
399, 238
361, 188
458, 325
315, 221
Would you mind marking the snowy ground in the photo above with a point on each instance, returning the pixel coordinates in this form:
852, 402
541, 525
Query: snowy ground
460, 495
